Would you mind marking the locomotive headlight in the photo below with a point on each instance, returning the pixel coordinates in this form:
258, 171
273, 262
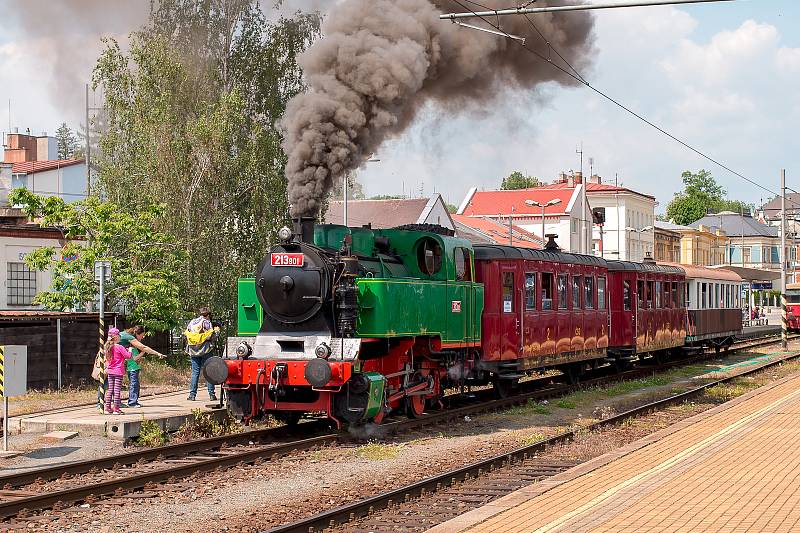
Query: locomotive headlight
285, 234
243, 351
323, 351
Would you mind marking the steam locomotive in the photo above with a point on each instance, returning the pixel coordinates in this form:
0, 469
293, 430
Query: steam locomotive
357, 323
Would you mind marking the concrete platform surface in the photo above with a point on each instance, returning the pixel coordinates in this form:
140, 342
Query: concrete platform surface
733, 468
170, 411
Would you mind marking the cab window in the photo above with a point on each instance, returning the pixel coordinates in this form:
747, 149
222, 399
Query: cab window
429, 256
463, 264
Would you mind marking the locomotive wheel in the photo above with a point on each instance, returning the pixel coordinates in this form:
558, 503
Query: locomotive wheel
415, 406
290, 418
503, 388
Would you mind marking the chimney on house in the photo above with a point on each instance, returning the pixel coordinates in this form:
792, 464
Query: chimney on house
578, 177
594, 178
562, 178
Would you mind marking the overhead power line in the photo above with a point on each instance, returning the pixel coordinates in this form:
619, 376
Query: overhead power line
578, 78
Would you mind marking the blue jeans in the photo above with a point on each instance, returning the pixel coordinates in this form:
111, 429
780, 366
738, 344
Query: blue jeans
197, 365
133, 387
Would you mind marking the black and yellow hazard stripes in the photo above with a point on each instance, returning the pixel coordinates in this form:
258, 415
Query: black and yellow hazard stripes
101, 353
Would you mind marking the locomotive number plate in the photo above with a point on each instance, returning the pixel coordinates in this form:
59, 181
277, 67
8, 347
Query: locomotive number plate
287, 260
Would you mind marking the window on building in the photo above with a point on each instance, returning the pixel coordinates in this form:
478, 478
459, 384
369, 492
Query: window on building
547, 291
19, 180
574, 225
463, 264
658, 300
576, 292
626, 295
588, 296
650, 294
21, 285
530, 290
601, 293
747, 255
561, 289
508, 292
641, 295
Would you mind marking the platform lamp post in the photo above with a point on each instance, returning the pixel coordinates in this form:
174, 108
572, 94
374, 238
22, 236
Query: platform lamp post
534, 203
639, 235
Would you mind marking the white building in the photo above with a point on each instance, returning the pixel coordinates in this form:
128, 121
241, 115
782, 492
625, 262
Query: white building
627, 233
568, 215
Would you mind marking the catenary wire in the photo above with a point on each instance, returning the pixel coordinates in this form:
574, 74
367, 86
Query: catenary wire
623, 106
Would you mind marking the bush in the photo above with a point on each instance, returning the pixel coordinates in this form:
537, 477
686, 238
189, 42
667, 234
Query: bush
151, 434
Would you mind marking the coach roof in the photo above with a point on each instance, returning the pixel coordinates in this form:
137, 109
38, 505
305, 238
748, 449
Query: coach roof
487, 252
645, 267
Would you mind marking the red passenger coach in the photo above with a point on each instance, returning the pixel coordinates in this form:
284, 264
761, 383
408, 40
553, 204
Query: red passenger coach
648, 309
542, 308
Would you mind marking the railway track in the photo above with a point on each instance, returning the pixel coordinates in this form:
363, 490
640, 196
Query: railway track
433, 500
62, 485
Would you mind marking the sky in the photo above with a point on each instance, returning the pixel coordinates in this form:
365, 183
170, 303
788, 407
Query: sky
722, 77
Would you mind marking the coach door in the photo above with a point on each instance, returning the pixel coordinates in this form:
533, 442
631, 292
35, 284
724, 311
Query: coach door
511, 311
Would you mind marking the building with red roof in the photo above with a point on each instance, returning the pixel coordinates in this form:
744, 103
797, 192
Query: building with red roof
626, 232
484, 230
32, 162
568, 215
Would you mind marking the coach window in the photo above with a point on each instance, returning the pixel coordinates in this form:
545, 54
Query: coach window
650, 295
641, 294
463, 264
704, 295
626, 295
601, 293
658, 301
508, 292
588, 293
675, 302
547, 291
530, 290
576, 292
561, 290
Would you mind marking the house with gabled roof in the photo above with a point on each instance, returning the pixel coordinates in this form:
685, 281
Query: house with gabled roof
391, 213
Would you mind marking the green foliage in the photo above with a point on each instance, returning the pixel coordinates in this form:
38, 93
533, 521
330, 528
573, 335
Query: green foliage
66, 143
387, 197
451, 208
518, 180
190, 124
150, 434
700, 195
144, 262
204, 425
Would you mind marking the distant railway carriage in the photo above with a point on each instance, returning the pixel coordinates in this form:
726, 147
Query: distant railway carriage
356, 323
714, 310
793, 305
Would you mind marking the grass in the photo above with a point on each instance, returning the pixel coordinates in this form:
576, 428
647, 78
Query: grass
533, 438
150, 434
374, 451
530, 408
728, 391
565, 403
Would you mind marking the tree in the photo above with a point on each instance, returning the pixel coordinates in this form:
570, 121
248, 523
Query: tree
66, 143
190, 124
518, 180
144, 262
701, 195
355, 191
388, 197
451, 208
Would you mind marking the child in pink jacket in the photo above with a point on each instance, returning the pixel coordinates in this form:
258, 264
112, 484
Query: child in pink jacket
115, 369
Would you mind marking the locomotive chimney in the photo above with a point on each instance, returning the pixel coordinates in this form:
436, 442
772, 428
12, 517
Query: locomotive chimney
304, 229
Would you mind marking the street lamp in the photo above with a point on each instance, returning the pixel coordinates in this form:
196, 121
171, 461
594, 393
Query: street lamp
345, 191
534, 203
639, 235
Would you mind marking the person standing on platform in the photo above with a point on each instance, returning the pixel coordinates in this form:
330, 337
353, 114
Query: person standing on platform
200, 336
116, 356
131, 339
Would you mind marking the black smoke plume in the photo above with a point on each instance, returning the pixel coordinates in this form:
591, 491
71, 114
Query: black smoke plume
380, 61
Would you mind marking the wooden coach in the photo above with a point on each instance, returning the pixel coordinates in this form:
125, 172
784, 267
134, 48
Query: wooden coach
542, 308
648, 308
714, 315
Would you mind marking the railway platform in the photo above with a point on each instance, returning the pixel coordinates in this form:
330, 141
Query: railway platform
170, 411
733, 468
